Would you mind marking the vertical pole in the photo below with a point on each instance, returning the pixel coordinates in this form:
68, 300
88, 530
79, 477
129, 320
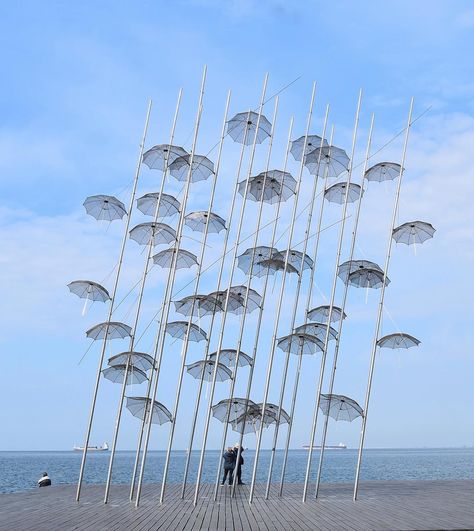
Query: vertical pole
196, 289
380, 309
343, 305
224, 316
112, 302
160, 341
138, 309
282, 289
333, 294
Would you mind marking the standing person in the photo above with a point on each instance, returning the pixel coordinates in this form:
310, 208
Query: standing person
239, 464
229, 465
44, 480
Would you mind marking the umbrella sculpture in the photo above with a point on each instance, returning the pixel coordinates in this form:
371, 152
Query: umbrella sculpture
86, 289
105, 207
235, 406
140, 407
115, 330
159, 232
312, 142
272, 266
300, 344
200, 305
229, 356
346, 268
202, 168
204, 370
337, 193
331, 160
179, 329
398, 340
169, 205
255, 255
270, 187
184, 260
237, 299
197, 221
158, 157
116, 374
316, 329
139, 360
295, 258
284, 417
340, 407
243, 126
413, 232
383, 171
367, 278
321, 314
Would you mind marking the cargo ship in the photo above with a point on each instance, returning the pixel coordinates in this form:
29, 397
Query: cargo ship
103, 448
340, 446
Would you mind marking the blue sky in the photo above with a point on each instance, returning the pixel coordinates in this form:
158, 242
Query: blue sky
77, 78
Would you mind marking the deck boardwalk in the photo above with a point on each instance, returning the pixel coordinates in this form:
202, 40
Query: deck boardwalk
382, 505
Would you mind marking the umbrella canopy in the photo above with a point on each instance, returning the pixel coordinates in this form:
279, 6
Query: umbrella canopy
312, 142
399, 340
238, 293
184, 260
116, 374
140, 406
413, 232
179, 329
337, 193
169, 205
86, 289
236, 406
140, 360
256, 255
316, 329
346, 268
299, 343
160, 232
383, 171
199, 305
201, 170
115, 330
321, 314
243, 127
104, 207
273, 408
295, 258
271, 187
162, 155
367, 278
340, 407
332, 161
272, 266
197, 221
250, 421
204, 370
229, 356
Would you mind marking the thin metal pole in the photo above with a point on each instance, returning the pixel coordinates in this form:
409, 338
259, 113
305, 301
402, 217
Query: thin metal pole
282, 289
196, 290
295, 310
343, 305
249, 282
159, 346
333, 294
262, 306
224, 316
139, 306
112, 302
380, 309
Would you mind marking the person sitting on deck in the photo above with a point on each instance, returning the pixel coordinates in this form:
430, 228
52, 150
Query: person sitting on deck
44, 481
239, 464
229, 465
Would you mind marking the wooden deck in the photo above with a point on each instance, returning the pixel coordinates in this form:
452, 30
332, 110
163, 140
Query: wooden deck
382, 505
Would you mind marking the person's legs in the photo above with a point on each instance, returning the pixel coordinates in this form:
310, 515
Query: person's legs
226, 471
239, 475
231, 476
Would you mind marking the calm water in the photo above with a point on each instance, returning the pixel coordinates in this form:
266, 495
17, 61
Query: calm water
20, 470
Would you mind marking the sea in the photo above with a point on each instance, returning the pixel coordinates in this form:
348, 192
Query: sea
19, 471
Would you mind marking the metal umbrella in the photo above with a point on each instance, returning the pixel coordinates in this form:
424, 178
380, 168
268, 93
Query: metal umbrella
204, 370
201, 169
273, 408
255, 255
383, 171
413, 232
316, 329
340, 407
139, 360
312, 142
271, 186
228, 357
321, 314
200, 305
169, 205
346, 268
237, 407
197, 221
115, 330
160, 156
159, 232
300, 344
91, 291
238, 294
330, 160
179, 329
165, 258
105, 207
272, 266
250, 421
399, 340
337, 193
243, 127
295, 258
140, 407
367, 278
116, 374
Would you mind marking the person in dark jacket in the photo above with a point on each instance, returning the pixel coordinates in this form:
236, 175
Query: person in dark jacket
44, 481
229, 465
239, 464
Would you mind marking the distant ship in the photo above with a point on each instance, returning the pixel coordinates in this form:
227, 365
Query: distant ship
340, 446
102, 448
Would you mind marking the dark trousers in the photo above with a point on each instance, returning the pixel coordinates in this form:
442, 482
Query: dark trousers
230, 472
239, 475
